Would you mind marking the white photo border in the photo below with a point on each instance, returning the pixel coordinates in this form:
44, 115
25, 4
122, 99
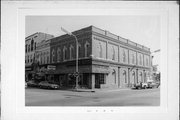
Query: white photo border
13, 103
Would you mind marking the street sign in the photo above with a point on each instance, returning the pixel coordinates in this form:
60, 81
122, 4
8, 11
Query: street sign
76, 74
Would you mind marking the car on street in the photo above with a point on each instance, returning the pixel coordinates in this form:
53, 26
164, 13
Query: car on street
32, 83
145, 85
137, 85
48, 85
153, 84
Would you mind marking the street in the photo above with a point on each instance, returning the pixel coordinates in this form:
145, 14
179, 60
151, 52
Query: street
117, 97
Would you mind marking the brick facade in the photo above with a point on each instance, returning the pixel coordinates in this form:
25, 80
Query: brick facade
105, 60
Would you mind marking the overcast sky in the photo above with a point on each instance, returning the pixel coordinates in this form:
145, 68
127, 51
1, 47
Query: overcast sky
144, 30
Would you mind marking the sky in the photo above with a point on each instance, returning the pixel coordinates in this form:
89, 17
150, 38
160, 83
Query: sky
144, 30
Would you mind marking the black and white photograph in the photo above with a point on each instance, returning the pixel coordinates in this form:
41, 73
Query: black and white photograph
92, 60
69, 61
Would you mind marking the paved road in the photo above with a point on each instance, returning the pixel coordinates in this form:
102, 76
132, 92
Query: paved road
123, 97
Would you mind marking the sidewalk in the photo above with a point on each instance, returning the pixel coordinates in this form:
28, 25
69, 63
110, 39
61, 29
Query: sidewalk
94, 90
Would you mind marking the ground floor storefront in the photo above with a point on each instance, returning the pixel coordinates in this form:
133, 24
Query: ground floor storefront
97, 76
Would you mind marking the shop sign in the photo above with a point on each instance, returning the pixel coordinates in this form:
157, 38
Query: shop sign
51, 67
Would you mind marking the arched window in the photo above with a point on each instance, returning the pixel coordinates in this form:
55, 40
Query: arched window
44, 56
140, 60
64, 53
79, 50
28, 48
124, 56
124, 76
133, 77
32, 44
27, 59
147, 63
53, 56
145, 77
47, 57
86, 46
114, 75
58, 54
100, 50
113, 53
141, 76
41, 57
71, 49
35, 46
133, 59
30, 58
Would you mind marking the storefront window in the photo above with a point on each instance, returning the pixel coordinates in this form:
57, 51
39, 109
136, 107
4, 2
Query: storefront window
124, 75
101, 78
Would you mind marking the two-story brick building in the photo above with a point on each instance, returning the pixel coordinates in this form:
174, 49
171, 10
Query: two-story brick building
105, 60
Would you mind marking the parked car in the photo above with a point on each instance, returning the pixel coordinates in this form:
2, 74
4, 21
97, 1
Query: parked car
153, 84
48, 85
32, 83
141, 85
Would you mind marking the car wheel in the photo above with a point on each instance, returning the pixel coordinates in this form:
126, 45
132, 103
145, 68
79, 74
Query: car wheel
145, 87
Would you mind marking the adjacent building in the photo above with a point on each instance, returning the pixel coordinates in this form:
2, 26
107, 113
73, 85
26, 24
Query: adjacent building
105, 60
31, 47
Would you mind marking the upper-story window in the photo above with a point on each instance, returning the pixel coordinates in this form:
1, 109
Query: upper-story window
28, 59
41, 56
47, 57
58, 54
71, 52
113, 53
64, 53
53, 56
133, 59
79, 50
86, 46
147, 63
32, 44
28, 48
25, 59
100, 50
140, 60
44, 57
124, 56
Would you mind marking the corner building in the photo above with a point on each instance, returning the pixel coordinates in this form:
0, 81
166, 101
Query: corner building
105, 60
